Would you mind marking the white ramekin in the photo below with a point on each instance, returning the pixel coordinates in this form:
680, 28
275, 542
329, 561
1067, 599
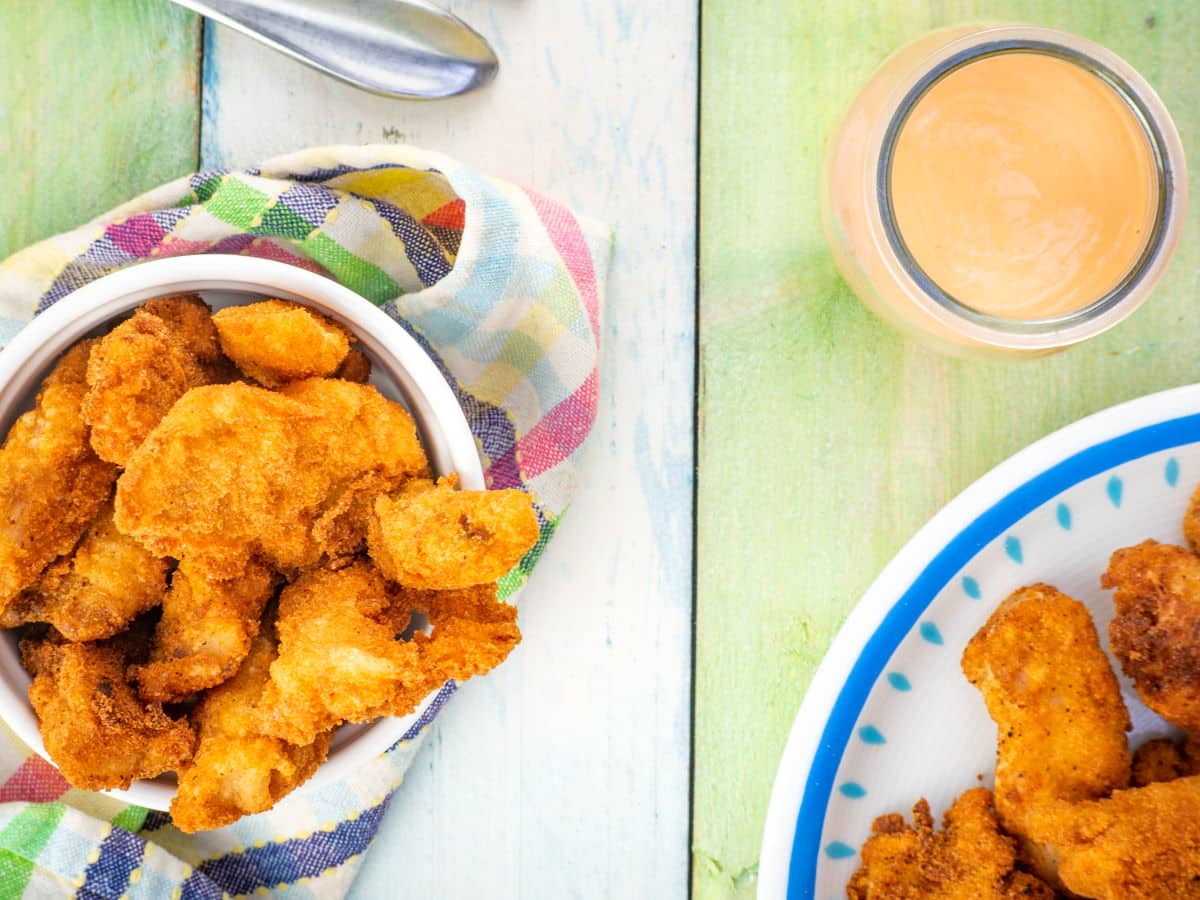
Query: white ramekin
401, 370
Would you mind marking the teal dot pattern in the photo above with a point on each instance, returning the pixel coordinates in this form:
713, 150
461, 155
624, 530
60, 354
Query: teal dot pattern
1063, 514
1012, 548
899, 681
1114, 490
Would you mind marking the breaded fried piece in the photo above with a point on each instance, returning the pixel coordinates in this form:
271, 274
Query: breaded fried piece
275, 342
52, 484
1057, 707
205, 631
355, 367
234, 471
473, 632
1164, 760
336, 662
97, 590
1155, 629
1138, 844
135, 374
1191, 522
237, 771
341, 659
190, 321
97, 731
427, 536
968, 860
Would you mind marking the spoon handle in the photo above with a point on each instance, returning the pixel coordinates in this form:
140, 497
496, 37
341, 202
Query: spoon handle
400, 48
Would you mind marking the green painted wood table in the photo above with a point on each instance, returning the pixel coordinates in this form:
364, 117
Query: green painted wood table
823, 440
826, 440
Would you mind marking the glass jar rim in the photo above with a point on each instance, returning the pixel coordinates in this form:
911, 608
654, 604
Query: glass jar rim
1162, 138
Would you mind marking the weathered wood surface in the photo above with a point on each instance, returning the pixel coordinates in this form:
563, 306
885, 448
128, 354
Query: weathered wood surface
97, 104
565, 773
827, 440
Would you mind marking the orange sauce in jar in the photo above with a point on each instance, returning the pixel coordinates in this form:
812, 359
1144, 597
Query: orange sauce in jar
1024, 186
1004, 189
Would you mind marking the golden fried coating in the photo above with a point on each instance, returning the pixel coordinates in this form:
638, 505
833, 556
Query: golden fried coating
1164, 760
1138, 844
336, 662
237, 771
205, 631
428, 536
97, 590
1191, 522
473, 632
52, 484
234, 471
275, 342
1155, 629
190, 321
968, 860
135, 374
97, 731
341, 657
355, 367
1058, 710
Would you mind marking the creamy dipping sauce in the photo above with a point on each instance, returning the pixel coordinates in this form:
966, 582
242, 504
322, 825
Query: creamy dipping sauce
1024, 185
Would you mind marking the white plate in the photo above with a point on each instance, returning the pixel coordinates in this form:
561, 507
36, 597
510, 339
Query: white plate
889, 717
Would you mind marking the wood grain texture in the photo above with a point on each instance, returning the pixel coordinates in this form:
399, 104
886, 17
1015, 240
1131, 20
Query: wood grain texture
98, 102
564, 773
826, 439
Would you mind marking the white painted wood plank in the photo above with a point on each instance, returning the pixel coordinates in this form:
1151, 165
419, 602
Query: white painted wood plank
565, 773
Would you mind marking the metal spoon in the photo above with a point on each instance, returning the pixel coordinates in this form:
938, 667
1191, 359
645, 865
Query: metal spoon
401, 48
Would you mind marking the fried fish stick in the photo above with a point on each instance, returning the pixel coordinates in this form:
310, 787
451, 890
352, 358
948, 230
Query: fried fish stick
432, 536
1153, 633
237, 771
205, 631
968, 860
97, 731
1138, 844
52, 484
275, 342
1050, 690
96, 591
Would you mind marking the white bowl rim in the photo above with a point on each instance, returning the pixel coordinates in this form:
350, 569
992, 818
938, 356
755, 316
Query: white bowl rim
445, 433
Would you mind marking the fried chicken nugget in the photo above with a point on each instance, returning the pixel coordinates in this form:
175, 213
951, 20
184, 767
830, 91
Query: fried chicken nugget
968, 860
355, 367
337, 661
473, 632
1138, 844
1057, 706
432, 536
237, 771
1164, 760
205, 632
234, 471
97, 590
1157, 621
97, 731
275, 342
52, 484
135, 374
341, 657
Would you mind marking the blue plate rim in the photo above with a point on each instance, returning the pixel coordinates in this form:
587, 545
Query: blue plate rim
1077, 452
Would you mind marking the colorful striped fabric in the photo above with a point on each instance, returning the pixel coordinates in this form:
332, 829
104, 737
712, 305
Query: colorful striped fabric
501, 286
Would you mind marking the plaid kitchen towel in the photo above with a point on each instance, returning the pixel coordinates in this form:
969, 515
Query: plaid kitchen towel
500, 285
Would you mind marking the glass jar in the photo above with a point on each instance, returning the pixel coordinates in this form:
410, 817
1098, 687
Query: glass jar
860, 215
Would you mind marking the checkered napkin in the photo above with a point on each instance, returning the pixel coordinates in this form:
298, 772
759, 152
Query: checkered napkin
501, 286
